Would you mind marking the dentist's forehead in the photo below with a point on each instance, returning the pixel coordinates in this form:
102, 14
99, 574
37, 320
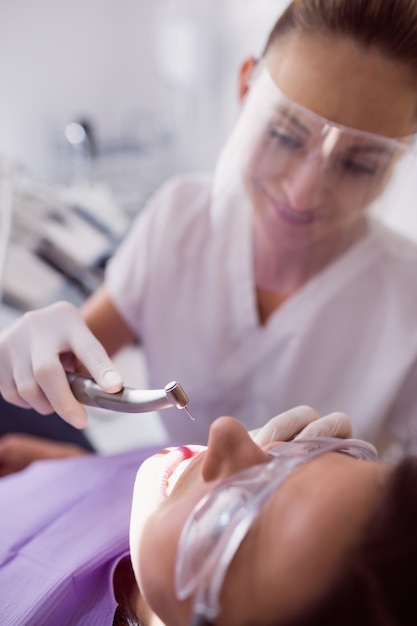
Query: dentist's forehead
345, 83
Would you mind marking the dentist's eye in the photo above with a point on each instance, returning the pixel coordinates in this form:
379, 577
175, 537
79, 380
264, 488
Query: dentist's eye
364, 161
361, 169
358, 169
285, 140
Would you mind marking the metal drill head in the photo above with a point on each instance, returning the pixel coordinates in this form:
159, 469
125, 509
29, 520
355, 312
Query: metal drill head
176, 394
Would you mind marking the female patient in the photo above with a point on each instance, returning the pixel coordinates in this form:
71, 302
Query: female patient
313, 531
269, 283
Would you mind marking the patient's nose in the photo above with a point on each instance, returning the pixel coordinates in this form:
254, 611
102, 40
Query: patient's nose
230, 450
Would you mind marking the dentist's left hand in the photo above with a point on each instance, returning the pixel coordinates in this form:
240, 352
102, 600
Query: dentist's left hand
35, 353
303, 422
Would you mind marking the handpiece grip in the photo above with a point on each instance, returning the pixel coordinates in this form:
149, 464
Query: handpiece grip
127, 400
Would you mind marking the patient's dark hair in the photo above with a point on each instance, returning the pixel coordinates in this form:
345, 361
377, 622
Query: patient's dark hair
124, 616
389, 25
377, 586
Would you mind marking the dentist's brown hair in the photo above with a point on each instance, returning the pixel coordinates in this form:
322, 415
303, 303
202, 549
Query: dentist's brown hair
388, 25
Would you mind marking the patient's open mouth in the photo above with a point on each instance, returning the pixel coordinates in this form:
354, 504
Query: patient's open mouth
177, 462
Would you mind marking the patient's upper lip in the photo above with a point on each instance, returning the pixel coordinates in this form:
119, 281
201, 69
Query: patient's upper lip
178, 457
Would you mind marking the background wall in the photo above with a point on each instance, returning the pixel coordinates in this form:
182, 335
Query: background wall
111, 60
135, 69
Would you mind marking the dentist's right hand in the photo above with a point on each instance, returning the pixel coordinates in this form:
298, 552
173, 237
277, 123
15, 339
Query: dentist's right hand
38, 349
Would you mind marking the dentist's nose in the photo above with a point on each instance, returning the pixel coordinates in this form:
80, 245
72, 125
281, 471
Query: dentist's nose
304, 185
230, 450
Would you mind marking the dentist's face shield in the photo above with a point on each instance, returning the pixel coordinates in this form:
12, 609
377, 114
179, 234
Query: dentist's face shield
220, 521
307, 181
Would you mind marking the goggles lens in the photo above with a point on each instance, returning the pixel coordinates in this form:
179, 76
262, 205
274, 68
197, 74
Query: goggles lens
293, 132
276, 135
220, 521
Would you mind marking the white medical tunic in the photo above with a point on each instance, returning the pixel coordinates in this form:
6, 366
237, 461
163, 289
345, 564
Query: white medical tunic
346, 341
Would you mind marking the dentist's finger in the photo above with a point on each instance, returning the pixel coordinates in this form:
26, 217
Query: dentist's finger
90, 352
286, 426
10, 394
59, 394
333, 425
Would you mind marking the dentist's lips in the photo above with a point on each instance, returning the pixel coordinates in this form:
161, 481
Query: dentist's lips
292, 216
175, 464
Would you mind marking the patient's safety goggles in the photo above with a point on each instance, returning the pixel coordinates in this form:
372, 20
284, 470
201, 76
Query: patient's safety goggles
220, 521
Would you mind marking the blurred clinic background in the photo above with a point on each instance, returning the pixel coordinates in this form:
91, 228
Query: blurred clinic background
101, 101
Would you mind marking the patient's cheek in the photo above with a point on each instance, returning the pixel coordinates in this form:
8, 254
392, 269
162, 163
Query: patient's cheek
155, 566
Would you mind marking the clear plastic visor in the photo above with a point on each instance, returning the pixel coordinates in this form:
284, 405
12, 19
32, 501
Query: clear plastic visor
284, 131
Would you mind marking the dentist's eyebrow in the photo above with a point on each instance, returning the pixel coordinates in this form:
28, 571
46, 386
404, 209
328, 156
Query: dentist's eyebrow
294, 120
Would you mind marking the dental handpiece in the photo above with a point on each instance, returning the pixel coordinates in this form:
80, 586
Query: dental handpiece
128, 400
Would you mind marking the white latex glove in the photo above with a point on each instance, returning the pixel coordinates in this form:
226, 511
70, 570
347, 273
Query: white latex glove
32, 353
303, 422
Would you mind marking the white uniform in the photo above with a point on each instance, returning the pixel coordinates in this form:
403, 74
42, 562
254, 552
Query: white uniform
347, 340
